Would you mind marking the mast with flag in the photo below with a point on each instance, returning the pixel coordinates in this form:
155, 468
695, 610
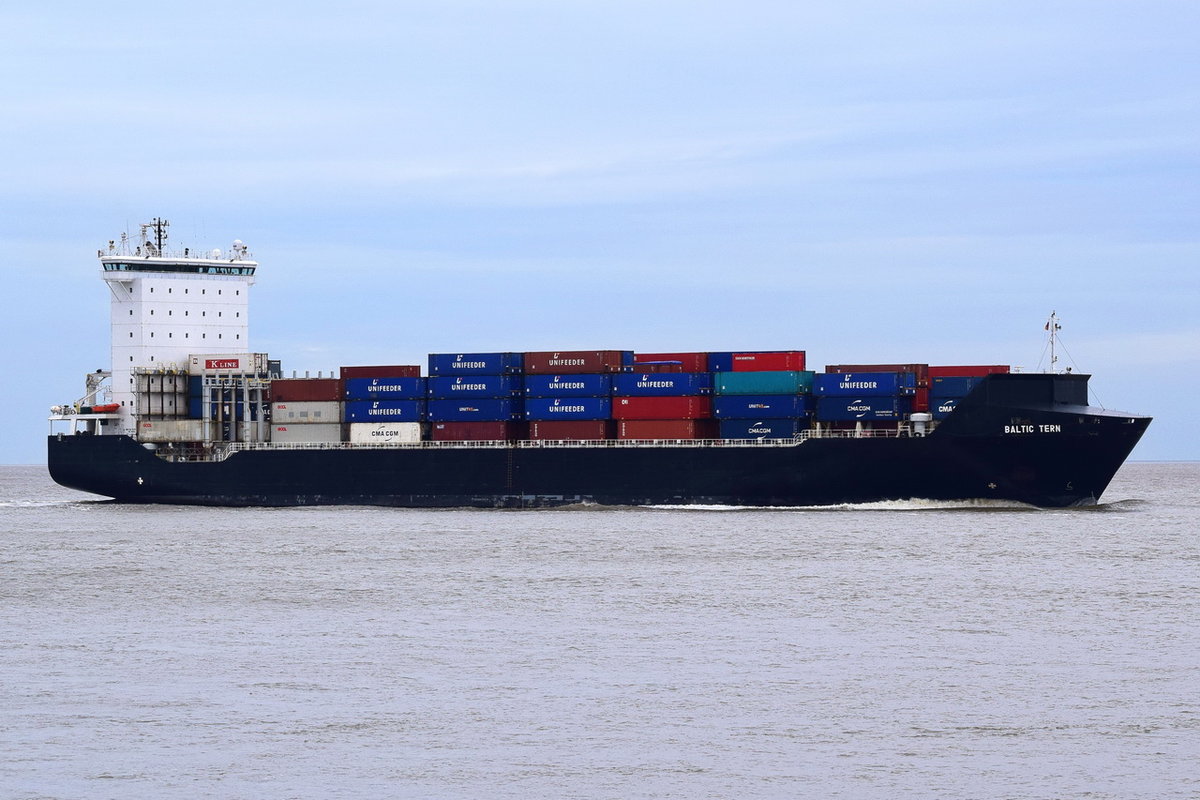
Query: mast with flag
1053, 327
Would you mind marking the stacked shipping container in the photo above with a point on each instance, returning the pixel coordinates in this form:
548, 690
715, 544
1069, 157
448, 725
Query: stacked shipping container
864, 397
384, 403
763, 403
306, 410
602, 394
948, 385
475, 396
569, 393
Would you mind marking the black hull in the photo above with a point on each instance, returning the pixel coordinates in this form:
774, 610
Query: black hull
1024, 439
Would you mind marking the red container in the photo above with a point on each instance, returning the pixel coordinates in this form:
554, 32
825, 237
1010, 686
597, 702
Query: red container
968, 371
476, 431
296, 390
394, 371
667, 429
572, 362
787, 360
920, 370
921, 400
689, 407
656, 368
573, 429
688, 362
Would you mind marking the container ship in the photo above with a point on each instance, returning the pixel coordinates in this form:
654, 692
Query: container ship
189, 413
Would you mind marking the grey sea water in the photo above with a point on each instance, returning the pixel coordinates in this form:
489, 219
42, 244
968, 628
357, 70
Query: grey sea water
899, 650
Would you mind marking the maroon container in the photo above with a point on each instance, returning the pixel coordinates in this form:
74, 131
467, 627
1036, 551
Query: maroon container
393, 371
476, 431
573, 429
688, 407
667, 429
572, 362
783, 361
688, 362
297, 390
920, 370
651, 368
921, 400
977, 371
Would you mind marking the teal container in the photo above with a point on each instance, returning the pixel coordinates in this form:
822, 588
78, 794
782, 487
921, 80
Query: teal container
783, 382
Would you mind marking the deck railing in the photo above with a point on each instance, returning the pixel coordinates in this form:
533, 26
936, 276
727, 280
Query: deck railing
219, 451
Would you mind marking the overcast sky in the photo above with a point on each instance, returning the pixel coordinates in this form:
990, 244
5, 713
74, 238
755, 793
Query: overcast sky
867, 181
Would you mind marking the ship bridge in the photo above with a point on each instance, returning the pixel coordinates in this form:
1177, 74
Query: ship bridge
179, 263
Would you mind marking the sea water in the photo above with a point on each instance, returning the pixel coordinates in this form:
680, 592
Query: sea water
894, 650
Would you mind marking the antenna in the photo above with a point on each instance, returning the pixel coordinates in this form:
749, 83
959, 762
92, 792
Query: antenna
1053, 327
160, 231
159, 226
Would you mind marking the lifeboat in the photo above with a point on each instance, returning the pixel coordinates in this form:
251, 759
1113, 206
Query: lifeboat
107, 408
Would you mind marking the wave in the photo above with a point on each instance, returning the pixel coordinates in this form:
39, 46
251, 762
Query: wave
43, 503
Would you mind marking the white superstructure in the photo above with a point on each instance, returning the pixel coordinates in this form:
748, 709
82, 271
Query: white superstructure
168, 305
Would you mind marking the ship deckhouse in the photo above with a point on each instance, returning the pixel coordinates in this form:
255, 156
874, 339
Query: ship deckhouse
166, 305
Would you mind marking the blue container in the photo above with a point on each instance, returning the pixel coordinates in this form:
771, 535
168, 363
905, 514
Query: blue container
195, 386
385, 410
762, 428
662, 384
952, 386
767, 382
763, 406
942, 407
448, 386
865, 384
720, 362
864, 408
548, 408
475, 363
195, 408
583, 385
483, 409
385, 388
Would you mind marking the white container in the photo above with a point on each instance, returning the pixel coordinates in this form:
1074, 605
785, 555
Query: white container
228, 364
384, 432
170, 430
306, 432
307, 411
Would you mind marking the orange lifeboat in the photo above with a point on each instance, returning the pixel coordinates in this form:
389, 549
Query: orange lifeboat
107, 408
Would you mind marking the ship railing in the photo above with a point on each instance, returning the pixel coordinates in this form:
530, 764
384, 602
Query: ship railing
219, 451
